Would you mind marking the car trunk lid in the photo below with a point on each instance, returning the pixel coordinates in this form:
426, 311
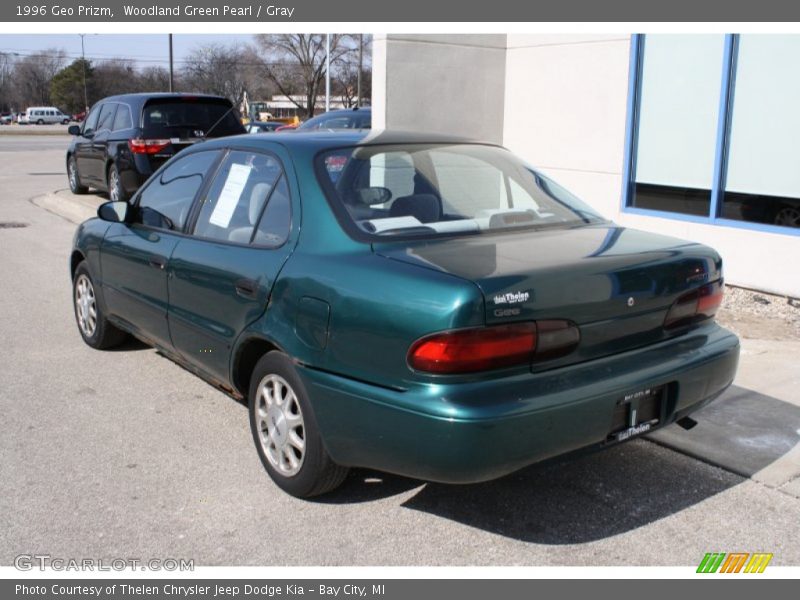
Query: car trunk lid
616, 284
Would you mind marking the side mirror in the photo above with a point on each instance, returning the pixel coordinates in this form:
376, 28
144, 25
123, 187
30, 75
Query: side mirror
114, 212
74, 130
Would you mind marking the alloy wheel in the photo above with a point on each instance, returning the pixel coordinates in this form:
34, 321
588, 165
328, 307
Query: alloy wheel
86, 305
113, 185
73, 174
280, 425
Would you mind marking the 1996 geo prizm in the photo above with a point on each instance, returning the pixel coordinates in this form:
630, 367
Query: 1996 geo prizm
417, 304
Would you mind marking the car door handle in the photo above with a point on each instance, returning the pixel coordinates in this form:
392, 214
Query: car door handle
246, 287
157, 262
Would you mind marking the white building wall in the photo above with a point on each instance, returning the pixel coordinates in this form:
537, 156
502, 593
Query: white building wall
563, 108
440, 83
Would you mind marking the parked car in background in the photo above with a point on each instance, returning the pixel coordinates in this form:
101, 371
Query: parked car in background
444, 312
79, 117
348, 118
6, 118
125, 139
43, 115
263, 126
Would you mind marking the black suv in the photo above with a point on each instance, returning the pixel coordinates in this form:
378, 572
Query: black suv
125, 138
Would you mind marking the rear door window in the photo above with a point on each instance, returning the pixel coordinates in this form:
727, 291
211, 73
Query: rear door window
275, 224
243, 186
123, 118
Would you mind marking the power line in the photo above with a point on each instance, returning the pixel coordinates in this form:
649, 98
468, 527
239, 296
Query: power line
233, 62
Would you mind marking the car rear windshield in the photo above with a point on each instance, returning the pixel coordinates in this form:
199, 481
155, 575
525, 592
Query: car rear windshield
443, 189
187, 117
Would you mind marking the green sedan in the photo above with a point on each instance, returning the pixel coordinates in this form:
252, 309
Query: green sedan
418, 304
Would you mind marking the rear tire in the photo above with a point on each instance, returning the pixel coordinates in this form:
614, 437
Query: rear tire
93, 326
40, 122
74, 177
116, 192
285, 430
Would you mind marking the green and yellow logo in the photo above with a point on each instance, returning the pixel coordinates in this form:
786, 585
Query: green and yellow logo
734, 562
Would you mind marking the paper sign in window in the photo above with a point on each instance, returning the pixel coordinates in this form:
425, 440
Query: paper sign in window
229, 196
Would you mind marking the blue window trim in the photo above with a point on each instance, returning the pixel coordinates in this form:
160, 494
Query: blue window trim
728, 82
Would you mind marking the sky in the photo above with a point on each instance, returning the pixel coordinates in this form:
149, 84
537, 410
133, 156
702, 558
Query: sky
147, 49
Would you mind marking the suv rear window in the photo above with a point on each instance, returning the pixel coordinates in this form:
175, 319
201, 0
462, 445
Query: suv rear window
186, 117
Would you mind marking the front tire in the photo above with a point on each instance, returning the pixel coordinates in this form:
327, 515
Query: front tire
285, 430
116, 193
74, 178
94, 328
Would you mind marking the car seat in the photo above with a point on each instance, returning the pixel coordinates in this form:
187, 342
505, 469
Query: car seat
426, 208
258, 195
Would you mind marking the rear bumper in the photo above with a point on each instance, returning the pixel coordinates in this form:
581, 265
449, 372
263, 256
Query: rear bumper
470, 432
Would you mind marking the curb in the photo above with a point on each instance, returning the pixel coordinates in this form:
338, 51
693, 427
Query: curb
29, 130
75, 209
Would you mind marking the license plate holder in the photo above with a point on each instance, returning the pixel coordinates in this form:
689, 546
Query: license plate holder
636, 413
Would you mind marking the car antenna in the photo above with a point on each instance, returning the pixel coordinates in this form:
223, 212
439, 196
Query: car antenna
217, 122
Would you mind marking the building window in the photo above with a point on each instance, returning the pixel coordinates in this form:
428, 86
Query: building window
679, 108
715, 129
763, 179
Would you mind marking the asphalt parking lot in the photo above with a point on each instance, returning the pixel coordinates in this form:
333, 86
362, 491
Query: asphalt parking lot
125, 454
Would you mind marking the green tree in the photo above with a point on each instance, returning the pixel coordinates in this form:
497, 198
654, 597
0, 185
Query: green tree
67, 86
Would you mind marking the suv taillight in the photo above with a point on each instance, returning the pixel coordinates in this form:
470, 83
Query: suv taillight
694, 306
494, 347
140, 146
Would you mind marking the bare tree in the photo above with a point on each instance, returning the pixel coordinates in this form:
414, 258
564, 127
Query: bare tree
6, 81
217, 69
114, 76
153, 79
32, 75
345, 75
296, 63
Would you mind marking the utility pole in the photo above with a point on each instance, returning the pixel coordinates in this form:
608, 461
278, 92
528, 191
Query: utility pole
83, 64
327, 72
171, 69
360, 68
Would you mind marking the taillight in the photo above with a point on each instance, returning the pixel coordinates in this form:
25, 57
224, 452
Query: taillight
697, 305
495, 347
140, 146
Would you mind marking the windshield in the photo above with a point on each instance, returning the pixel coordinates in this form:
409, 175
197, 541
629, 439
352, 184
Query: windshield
192, 118
435, 189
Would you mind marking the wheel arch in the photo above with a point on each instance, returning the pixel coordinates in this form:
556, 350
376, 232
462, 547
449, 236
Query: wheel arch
76, 258
247, 354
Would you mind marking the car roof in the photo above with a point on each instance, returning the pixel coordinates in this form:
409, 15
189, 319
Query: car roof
141, 97
324, 140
